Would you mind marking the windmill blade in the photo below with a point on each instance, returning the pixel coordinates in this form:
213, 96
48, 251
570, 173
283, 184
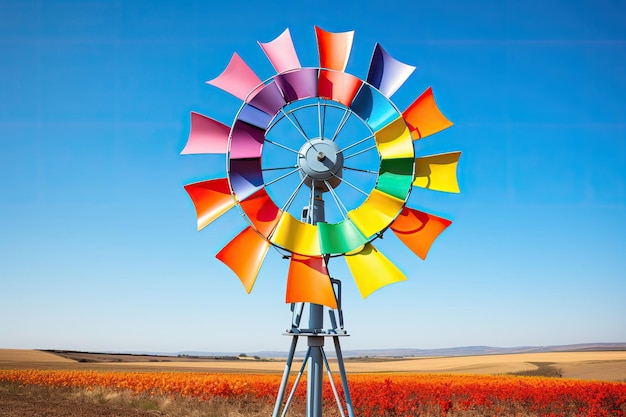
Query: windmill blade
237, 79
206, 136
334, 48
424, 117
246, 177
396, 177
246, 267
418, 230
338, 86
281, 52
339, 238
376, 213
211, 199
386, 73
438, 172
298, 85
372, 270
262, 212
295, 236
373, 107
308, 282
394, 140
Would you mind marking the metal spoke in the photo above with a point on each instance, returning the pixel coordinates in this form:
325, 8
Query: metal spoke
360, 152
348, 183
296, 124
321, 117
361, 170
279, 168
340, 205
293, 195
282, 146
344, 119
357, 143
282, 176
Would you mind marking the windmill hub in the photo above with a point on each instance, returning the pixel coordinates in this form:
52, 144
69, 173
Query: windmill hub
320, 161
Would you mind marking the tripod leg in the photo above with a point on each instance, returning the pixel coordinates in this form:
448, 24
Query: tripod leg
332, 384
344, 378
283, 382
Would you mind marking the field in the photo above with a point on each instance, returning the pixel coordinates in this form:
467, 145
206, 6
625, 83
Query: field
95, 385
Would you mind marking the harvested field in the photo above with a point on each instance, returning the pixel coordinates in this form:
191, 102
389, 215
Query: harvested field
604, 365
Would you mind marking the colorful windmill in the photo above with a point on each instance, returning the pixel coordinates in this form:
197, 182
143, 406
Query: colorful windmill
306, 133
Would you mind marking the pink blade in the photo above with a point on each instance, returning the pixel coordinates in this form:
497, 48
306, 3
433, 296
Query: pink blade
211, 199
386, 73
206, 136
237, 79
308, 282
244, 256
281, 52
334, 48
418, 230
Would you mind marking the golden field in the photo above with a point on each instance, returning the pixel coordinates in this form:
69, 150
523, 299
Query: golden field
596, 365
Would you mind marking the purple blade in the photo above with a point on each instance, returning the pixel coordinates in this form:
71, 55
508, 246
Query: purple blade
246, 141
297, 85
386, 73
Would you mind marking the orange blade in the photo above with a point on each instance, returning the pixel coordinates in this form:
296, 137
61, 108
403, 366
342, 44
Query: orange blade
262, 212
418, 230
237, 79
334, 48
308, 282
206, 136
424, 117
211, 199
244, 255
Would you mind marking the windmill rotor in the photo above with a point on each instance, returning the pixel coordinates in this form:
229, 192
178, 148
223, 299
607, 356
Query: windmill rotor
335, 144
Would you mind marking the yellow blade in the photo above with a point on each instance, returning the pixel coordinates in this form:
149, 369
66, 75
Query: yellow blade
372, 270
245, 266
424, 117
376, 212
394, 140
308, 282
418, 230
437, 172
211, 199
295, 236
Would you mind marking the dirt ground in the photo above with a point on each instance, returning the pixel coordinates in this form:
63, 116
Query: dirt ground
41, 401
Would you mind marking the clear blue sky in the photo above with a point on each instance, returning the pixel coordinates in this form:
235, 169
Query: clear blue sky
98, 241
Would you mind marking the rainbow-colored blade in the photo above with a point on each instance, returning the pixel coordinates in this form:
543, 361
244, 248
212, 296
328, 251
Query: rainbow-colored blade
334, 48
211, 199
246, 177
298, 85
308, 282
374, 108
386, 73
372, 270
395, 177
206, 136
424, 117
437, 172
254, 247
418, 230
376, 212
262, 212
394, 141
338, 86
237, 79
340, 238
281, 52
295, 236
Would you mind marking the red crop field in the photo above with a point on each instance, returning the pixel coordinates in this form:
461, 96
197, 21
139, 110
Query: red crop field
372, 394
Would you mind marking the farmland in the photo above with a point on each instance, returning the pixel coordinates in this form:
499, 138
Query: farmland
462, 386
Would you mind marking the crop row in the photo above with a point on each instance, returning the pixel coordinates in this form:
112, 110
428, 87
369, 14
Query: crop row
372, 394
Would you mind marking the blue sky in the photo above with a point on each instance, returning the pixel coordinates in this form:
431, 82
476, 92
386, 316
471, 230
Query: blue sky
98, 242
